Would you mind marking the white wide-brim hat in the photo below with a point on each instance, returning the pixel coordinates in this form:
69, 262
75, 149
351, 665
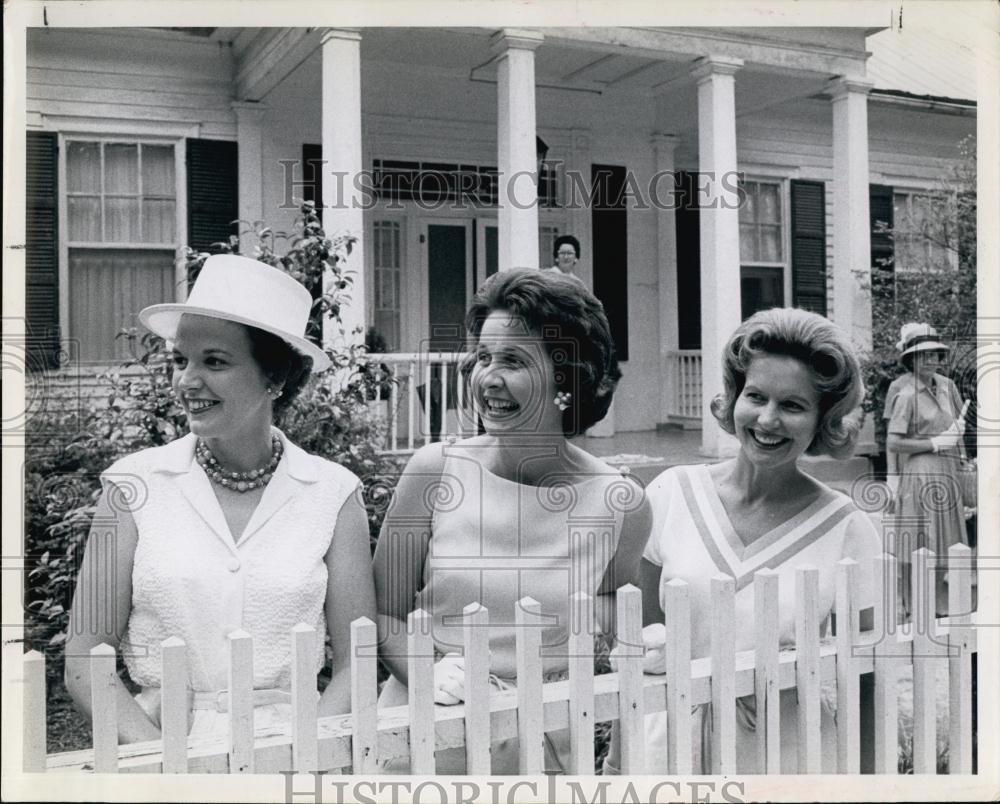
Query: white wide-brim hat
248, 292
916, 337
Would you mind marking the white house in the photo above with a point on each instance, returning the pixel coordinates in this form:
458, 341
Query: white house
144, 140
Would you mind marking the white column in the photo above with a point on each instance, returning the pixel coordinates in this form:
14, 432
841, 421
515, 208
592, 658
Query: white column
719, 233
852, 307
250, 168
342, 157
666, 260
516, 156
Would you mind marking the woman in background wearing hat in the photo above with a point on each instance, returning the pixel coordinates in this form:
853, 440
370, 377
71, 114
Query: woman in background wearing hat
926, 422
230, 527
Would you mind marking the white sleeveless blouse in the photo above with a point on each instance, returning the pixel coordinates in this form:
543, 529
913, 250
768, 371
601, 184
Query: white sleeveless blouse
192, 580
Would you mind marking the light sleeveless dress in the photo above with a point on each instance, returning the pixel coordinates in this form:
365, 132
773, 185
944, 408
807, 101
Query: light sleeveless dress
495, 541
191, 579
693, 539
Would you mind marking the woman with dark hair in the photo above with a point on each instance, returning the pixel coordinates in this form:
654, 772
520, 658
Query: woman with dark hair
542, 367
926, 423
565, 255
230, 527
791, 386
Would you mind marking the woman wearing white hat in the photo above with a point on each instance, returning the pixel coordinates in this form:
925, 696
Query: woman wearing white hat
926, 422
230, 527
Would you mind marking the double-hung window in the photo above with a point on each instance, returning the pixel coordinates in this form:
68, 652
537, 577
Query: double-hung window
923, 233
121, 228
762, 247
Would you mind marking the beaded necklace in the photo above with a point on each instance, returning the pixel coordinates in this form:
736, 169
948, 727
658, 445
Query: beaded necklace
238, 481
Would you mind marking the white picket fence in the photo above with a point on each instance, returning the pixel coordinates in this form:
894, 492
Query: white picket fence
682, 375
348, 742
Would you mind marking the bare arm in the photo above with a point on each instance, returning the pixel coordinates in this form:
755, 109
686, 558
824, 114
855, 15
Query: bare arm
401, 552
624, 566
909, 445
350, 594
102, 602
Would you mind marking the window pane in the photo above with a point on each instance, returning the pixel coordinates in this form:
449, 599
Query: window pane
107, 288
158, 217
158, 170
749, 205
770, 243
121, 168
121, 220
769, 207
748, 243
83, 167
84, 218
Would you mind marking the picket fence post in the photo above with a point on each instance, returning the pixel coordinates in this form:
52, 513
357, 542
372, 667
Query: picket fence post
475, 625
174, 705
34, 734
807, 677
886, 667
364, 694
960, 573
676, 601
766, 679
104, 707
240, 694
723, 642
924, 664
305, 709
848, 681
581, 685
631, 704
420, 691
530, 714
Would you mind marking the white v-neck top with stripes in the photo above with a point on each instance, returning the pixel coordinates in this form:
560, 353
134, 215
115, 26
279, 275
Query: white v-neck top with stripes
693, 539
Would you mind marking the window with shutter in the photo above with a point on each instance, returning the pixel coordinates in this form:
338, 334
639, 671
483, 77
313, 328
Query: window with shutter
42, 251
688, 261
808, 246
609, 241
213, 192
762, 246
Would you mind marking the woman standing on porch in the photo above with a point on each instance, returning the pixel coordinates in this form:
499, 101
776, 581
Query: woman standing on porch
542, 367
792, 385
230, 527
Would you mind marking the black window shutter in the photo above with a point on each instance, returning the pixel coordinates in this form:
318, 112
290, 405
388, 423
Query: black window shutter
687, 224
42, 251
809, 246
609, 242
213, 192
881, 215
312, 175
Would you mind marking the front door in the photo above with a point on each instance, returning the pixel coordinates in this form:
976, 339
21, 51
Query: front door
449, 280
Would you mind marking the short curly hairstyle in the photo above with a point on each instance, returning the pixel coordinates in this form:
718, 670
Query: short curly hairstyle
819, 344
281, 364
565, 240
574, 331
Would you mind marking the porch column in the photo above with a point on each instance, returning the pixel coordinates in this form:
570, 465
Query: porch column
852, 307
250, 168
516, 156
666, 252
342, 213
719, 235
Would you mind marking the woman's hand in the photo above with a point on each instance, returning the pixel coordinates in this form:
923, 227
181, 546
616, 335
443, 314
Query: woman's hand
654, 643
949, 438
449, 679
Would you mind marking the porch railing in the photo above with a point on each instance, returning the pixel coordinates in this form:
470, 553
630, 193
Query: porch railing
682, 375
422, 400
352, 742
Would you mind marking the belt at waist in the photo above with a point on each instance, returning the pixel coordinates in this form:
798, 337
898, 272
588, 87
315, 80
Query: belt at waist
219, 700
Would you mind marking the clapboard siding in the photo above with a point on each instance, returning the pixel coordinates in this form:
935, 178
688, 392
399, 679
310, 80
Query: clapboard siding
143, 77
